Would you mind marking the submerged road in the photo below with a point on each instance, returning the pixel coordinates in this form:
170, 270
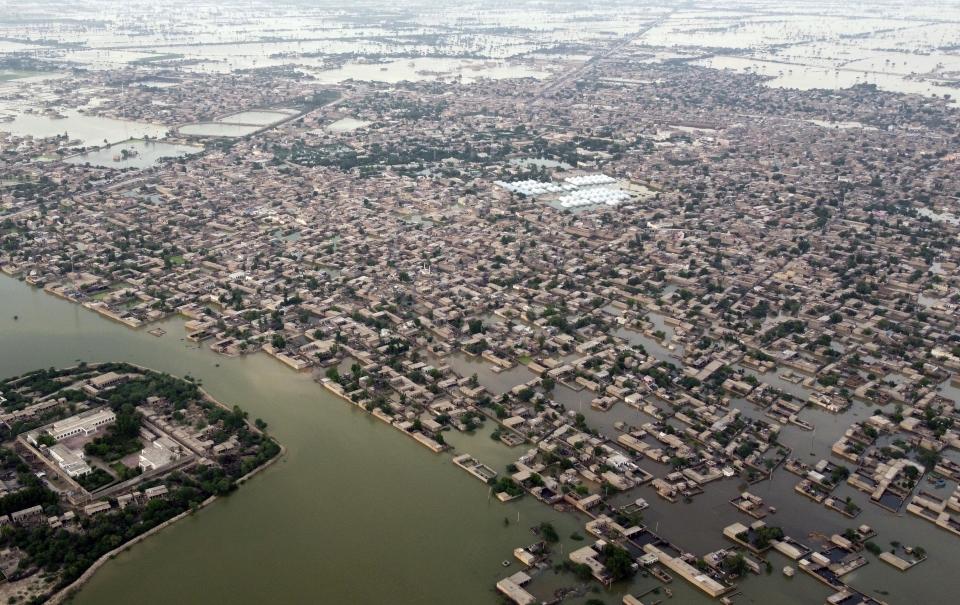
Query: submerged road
576, 72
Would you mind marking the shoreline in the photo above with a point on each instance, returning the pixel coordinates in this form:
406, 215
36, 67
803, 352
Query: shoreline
68, 592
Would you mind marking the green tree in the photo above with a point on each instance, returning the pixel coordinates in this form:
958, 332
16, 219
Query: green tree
548, 532
618, 562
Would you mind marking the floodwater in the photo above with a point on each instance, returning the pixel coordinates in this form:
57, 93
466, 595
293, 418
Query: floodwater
346, 125
820, 45
356, 511
807, 77
217, 129
257, 118
414, 70
359, 513
142, 154
90, 130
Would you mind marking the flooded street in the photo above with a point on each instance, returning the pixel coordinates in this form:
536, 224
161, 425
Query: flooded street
308, 522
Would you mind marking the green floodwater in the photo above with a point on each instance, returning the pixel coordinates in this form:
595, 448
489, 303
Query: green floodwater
358, 513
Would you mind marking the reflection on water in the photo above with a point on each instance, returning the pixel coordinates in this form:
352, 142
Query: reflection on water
807, 77
257, 118
346, 125
427, 69
89, 130
497, 382
136, 153
217, 129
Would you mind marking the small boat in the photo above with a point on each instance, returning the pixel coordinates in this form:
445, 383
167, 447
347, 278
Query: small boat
772, 510
788, 571
505, 563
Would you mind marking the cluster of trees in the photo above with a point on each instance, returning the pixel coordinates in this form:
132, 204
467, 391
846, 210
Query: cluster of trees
791, 326
506, 484
70, 553
257, 450
548, 532
765, 535
229, 423
177, 391
28, 424
735, 565
95, 480
31, 493
478, 347
120, 439
618, 562
377, 155
37, 383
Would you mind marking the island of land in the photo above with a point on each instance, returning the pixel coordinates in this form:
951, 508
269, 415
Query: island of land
97, 457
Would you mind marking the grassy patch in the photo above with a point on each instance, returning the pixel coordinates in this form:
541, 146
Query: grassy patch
95, 480
124, 472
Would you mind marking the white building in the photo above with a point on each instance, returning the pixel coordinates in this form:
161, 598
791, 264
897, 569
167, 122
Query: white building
98, 383
71, 461
160, 453
82, 424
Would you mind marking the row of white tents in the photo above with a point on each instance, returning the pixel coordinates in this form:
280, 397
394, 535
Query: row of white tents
610, 196
580, 191
533, 188
588, 180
